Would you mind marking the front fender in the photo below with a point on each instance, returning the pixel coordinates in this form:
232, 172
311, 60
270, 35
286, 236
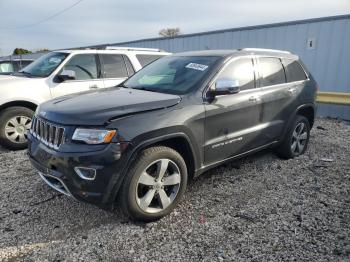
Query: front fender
131, 155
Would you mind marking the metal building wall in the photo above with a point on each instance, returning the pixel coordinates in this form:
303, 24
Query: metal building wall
328, 61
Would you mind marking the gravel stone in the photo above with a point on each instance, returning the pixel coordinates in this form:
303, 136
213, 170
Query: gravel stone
259, 208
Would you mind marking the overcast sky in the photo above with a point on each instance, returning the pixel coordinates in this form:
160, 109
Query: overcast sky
110, 21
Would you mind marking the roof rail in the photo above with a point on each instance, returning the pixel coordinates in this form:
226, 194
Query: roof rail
133, 48
265, 49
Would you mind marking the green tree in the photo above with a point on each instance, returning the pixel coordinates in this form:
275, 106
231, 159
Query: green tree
21, 51
170, 32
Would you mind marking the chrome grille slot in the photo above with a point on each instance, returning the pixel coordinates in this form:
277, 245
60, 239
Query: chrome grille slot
41, 129
48, 133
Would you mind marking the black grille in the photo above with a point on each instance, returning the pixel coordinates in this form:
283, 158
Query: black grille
48, 133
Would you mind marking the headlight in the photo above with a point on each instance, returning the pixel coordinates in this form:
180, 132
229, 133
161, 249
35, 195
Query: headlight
93, 136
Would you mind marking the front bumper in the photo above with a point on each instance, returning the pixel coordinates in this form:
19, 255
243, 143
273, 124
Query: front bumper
57, 170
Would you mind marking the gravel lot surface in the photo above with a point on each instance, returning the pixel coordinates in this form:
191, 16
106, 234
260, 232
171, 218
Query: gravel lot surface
259, 208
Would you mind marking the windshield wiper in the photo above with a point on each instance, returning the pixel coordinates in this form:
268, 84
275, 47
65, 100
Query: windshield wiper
138, 88
23, 73
121, 85
145, 89
26, 74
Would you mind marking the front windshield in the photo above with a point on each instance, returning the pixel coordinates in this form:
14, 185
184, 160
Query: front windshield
45, 65
172, 74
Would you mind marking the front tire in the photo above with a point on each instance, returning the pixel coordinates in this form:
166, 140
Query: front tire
14, 123
296, 140
154, 185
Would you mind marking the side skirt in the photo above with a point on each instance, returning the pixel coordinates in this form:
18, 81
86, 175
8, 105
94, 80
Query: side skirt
218, 163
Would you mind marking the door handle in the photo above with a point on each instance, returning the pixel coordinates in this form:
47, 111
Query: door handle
254, 99
292, 90
93, 87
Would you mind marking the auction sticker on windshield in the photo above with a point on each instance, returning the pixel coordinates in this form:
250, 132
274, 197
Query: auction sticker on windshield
195, 66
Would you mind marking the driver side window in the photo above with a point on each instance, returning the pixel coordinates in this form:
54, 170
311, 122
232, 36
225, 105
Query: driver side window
84, 66
242, 70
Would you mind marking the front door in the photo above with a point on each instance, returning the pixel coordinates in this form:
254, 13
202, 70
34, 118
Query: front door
232, 124
87, 76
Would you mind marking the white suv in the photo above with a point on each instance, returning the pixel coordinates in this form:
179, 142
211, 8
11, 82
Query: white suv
60, 73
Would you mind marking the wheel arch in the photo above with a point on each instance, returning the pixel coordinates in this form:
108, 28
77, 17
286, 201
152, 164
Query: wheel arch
307, 111
177, 141
22, 103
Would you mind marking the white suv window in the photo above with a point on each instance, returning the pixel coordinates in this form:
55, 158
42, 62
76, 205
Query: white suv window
84, 66
6, 67
242, 70
113, 66
147, 59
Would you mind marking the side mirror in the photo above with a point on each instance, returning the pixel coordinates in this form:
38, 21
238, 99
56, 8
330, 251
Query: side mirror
225, 87
66, 75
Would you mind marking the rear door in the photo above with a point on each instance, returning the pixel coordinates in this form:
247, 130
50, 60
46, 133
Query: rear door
115, 68
277, 95
296, 78
87, 75
232, 122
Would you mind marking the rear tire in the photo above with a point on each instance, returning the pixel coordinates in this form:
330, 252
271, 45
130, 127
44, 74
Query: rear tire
14, 123
296, 139
154, 185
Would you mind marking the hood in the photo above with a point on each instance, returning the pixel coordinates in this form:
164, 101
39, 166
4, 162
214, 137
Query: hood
11, 79
6, 76
100, 107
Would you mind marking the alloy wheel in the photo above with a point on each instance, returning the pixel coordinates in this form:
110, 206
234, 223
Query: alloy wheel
16, 128
158, 186
299, 138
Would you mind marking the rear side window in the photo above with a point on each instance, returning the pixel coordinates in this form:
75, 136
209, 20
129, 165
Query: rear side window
294, 71
21, 64
16, 66
129, 66
271, 71
241, 70
25, 63
147, 59
113, 66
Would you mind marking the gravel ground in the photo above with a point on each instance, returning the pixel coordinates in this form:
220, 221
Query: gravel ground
259, 208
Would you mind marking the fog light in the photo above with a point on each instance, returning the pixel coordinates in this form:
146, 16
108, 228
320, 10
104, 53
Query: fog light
86, 173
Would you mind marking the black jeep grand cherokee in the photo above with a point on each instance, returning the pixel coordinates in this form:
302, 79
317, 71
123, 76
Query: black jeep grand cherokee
140, 142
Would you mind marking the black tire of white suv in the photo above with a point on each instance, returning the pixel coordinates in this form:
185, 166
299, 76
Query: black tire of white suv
296, 140
154, 185
14, 123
